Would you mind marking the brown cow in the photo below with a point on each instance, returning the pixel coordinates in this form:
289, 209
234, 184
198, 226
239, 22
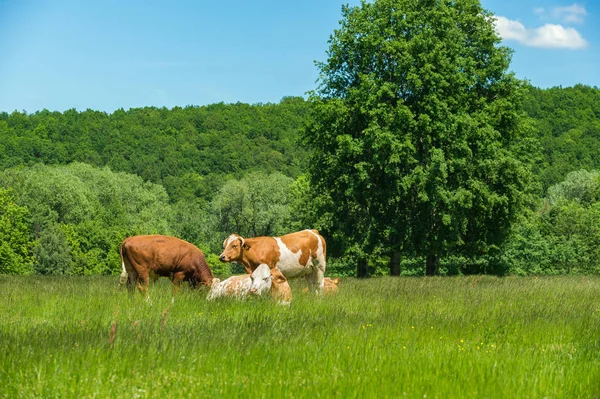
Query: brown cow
296, 254
154, 256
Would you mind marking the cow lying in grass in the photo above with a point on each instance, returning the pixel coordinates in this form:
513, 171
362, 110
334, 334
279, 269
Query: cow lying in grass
330, 285
262, 281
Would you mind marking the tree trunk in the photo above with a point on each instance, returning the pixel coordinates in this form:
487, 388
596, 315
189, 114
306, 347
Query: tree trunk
362, 268
395, 263
432, 265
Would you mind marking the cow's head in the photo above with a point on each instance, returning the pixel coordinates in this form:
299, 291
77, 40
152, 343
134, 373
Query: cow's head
233, 248
262, 280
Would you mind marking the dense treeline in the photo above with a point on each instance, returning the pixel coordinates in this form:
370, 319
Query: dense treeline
74, 184
567, 121
189, 151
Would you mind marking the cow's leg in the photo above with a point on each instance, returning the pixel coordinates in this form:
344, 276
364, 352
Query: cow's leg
132, 280
317, 276
176, 278
143, 282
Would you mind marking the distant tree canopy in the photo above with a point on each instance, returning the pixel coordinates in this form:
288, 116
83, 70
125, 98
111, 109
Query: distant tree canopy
419, 163
568, 124
190, 151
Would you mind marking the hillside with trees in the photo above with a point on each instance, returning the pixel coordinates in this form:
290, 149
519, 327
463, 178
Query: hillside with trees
74, 184
418, 153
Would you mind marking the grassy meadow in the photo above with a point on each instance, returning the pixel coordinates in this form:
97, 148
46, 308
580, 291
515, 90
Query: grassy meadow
451, 337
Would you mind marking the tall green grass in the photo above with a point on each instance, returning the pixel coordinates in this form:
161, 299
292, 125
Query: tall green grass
461, 337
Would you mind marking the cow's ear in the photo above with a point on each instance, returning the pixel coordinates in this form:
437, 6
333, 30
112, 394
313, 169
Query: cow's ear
278, 277
246, 246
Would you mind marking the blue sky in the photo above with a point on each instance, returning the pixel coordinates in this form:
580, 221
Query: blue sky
107, 55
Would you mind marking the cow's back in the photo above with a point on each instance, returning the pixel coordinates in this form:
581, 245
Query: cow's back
297, 252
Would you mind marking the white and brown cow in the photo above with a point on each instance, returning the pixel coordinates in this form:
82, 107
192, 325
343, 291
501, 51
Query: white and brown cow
295, 255
262, 281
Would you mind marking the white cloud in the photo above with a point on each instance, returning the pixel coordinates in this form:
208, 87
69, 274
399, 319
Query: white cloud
570, 14
546, 36
556, 36
574, 13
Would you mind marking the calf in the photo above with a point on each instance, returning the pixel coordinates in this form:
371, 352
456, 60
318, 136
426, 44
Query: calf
261, 281
153, 256
330, 285
296, 254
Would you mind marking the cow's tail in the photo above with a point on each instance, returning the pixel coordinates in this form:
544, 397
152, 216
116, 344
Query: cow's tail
124, 275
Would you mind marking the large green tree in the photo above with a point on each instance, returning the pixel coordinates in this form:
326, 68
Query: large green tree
420, 141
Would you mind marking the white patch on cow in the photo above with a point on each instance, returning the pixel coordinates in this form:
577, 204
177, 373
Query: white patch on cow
289, 262
231, 238
223, 288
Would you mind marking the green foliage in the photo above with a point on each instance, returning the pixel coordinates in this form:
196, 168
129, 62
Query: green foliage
568, 124
187, 150
52, 252
563, 235
580, 186
257, 205
80, 214
15, 236
418, 135
218, 268
308, 207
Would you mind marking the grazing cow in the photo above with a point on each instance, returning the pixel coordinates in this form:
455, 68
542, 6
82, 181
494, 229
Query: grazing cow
154, 256
262, 280
330, 285
296, 254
